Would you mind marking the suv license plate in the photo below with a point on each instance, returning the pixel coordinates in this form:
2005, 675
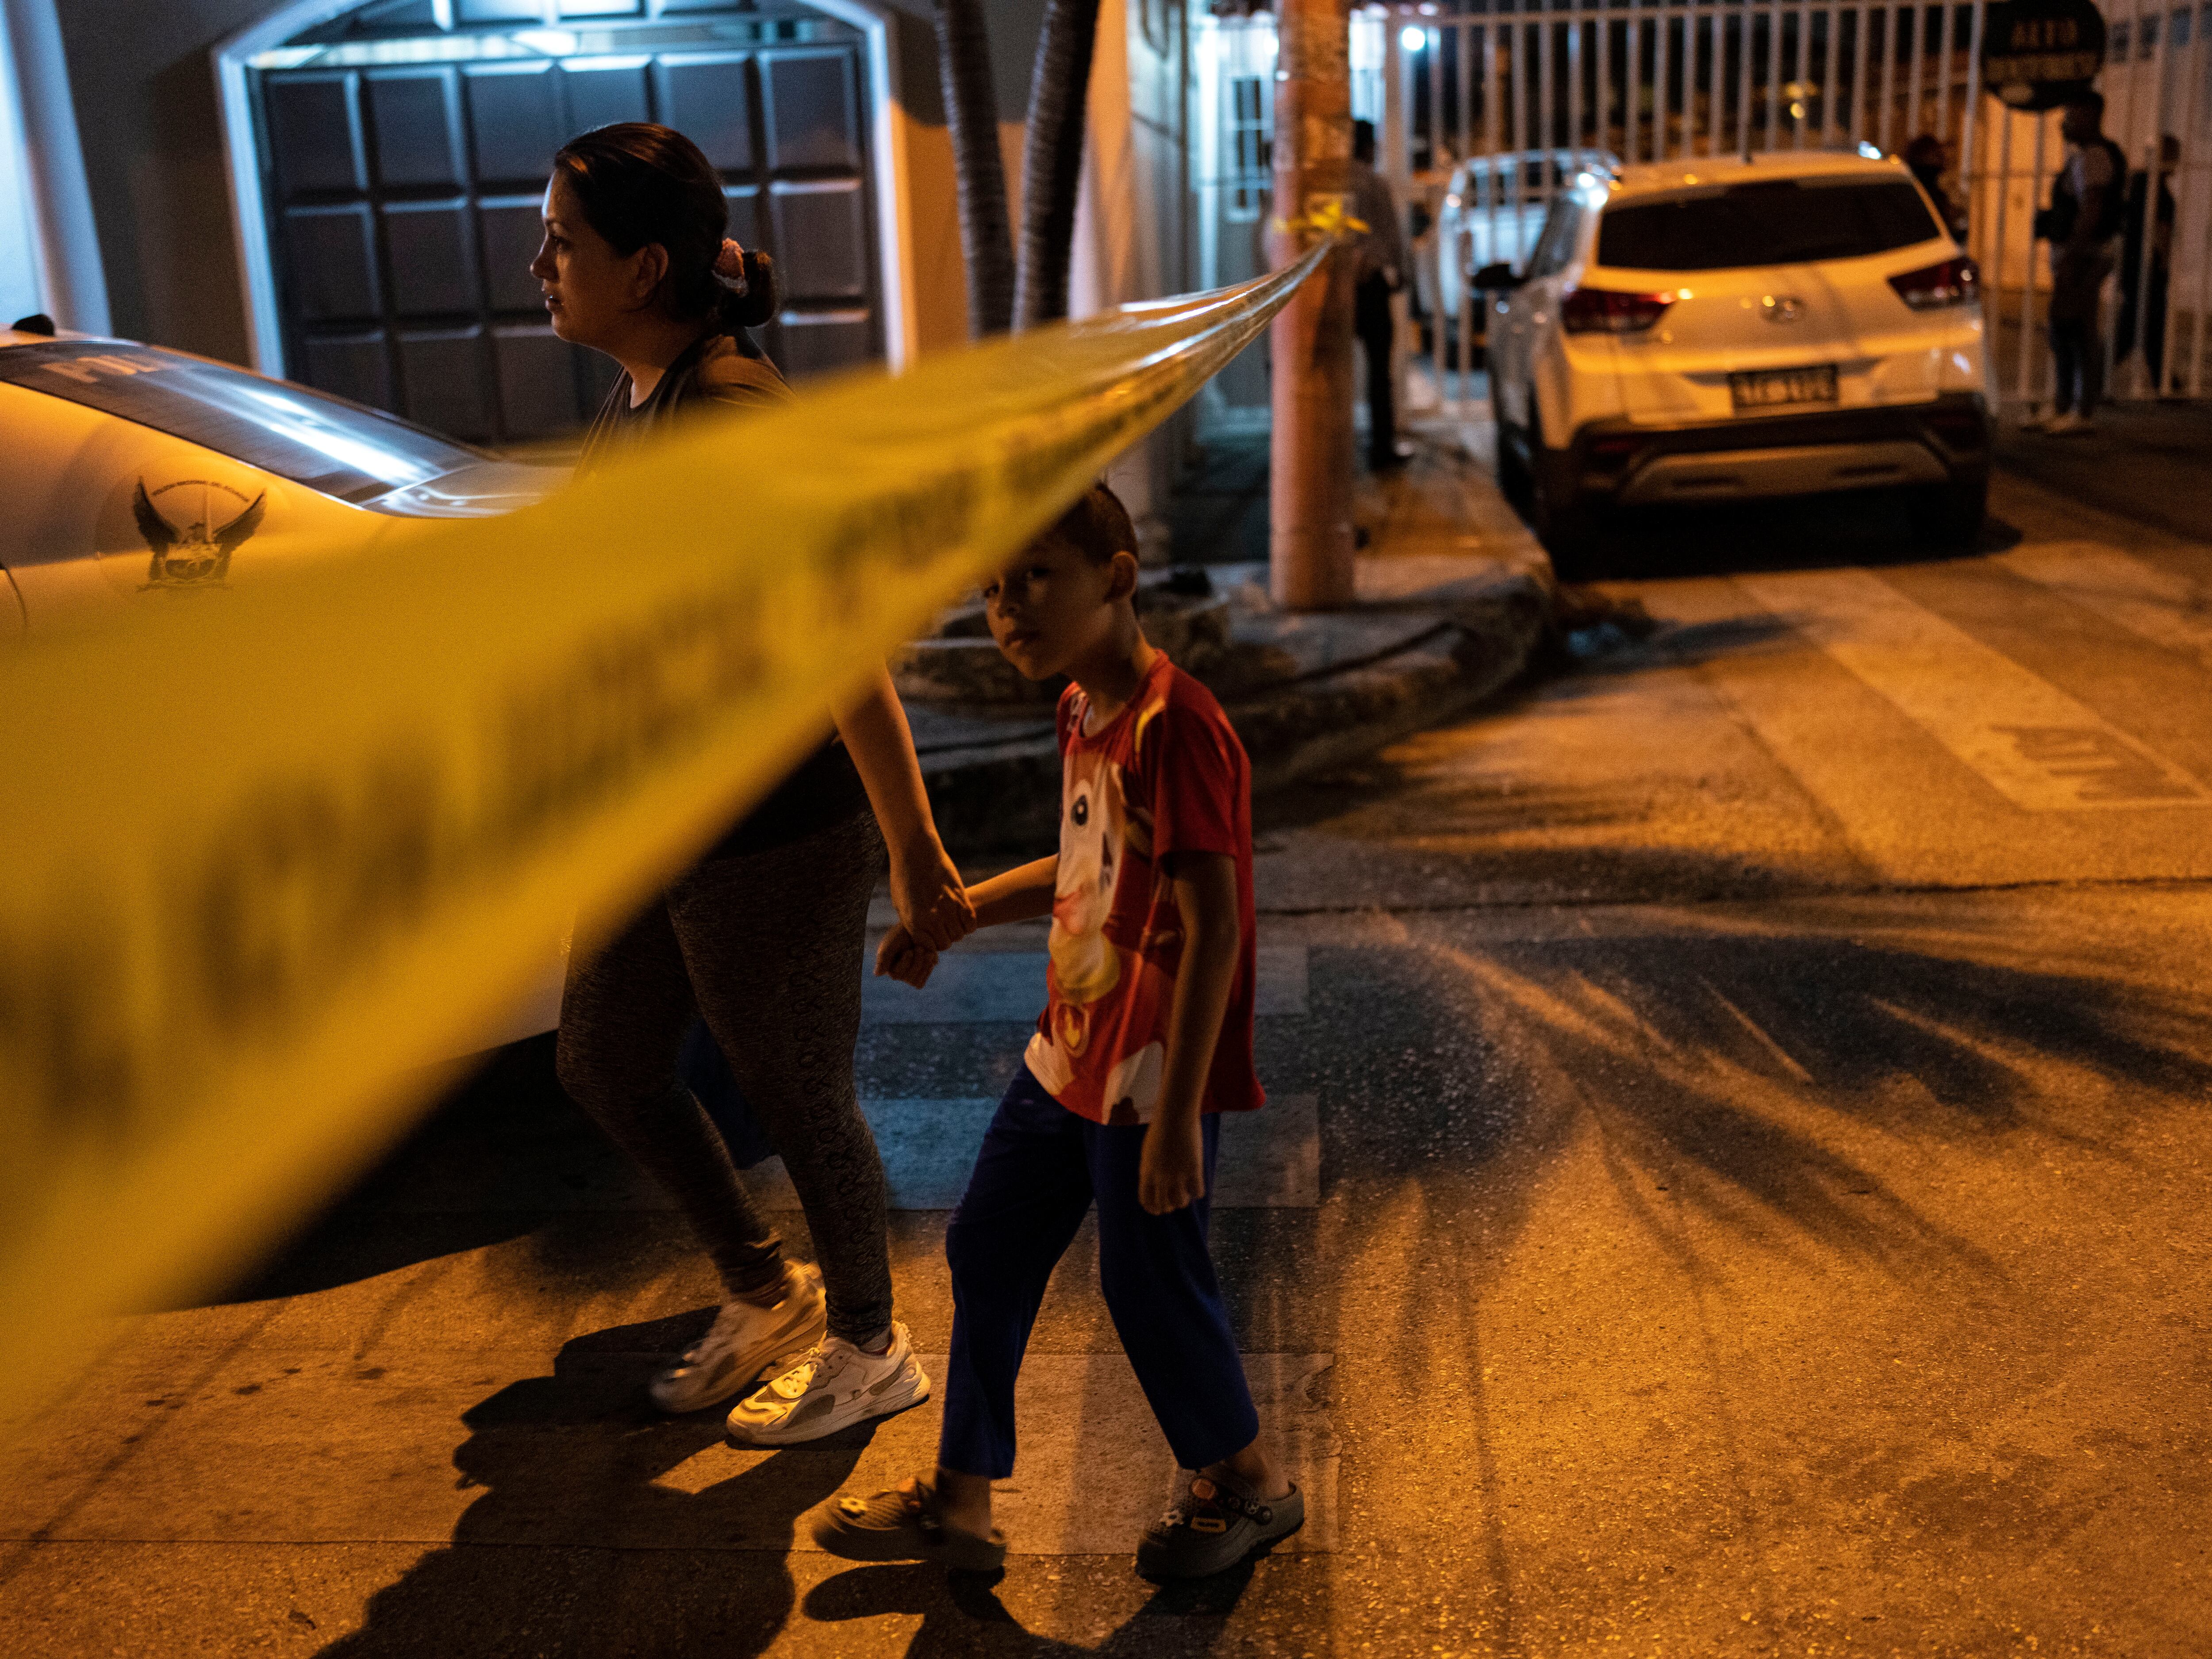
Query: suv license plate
1771, 387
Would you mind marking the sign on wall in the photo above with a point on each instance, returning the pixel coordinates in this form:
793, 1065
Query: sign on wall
2038, 54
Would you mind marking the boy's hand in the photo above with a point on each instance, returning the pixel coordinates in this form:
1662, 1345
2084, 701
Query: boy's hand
932, 904
900, 958
1171, 1169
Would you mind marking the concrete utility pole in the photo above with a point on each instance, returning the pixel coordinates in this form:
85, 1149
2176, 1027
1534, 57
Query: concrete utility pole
1309, 485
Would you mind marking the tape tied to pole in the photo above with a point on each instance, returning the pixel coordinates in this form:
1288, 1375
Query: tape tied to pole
1325, 215
270, 858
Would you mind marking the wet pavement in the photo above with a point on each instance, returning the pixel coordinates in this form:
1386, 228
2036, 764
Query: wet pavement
1735, 1186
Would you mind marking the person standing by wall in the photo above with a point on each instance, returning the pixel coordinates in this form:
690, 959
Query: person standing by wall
2083, 225
764, 935
1379, 271
1926, 159
2150, 315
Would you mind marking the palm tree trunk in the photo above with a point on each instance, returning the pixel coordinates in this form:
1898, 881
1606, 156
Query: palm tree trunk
971, 113
1052, 159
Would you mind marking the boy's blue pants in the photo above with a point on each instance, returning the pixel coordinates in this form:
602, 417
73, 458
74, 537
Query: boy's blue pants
1040, 1167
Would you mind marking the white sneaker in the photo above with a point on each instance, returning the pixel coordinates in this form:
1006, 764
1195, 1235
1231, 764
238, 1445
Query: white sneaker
748, 1341
2036, 423
2069, 424
833, 1387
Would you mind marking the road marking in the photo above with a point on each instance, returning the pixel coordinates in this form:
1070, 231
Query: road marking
973, 987
2036, 746
1092, 1469
2161, 605
1270, 1159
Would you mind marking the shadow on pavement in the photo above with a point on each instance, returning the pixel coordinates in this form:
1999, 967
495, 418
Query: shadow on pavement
962, 1616
1856, 528
2145, 462
1731, 1063
582, 1544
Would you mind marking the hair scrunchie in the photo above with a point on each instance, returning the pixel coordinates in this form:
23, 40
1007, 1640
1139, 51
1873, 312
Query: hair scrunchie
730, 267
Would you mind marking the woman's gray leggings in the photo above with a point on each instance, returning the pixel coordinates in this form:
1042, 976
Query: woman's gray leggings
766, 947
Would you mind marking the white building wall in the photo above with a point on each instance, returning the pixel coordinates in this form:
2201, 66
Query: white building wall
48, 252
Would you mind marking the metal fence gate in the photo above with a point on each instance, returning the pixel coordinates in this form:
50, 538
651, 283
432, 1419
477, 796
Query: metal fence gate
1685, 78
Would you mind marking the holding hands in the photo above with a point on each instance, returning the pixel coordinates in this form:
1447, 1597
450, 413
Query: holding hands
932, 904
934, 913
933, 909
901, 958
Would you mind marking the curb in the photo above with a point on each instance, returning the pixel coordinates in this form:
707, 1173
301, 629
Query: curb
1003, 794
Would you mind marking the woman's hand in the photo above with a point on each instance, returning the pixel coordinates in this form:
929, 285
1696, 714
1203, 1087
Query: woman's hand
900, 958
1171, 1169
932, 903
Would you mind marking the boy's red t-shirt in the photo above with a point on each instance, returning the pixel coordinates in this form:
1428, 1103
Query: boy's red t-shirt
1164, 775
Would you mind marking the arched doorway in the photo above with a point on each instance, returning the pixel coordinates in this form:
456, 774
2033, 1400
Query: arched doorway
389, 190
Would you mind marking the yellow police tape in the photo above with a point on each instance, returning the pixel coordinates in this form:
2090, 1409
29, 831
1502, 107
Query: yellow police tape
264, 857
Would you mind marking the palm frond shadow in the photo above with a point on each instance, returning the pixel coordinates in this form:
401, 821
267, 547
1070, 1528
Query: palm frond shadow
1740, 1069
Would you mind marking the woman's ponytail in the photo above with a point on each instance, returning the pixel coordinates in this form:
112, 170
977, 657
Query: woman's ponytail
749, 290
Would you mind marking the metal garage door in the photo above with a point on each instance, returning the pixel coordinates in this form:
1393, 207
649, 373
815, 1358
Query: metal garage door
404, 173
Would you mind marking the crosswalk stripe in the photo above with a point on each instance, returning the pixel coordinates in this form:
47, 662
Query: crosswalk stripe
2039, 748
1269, 1160
972, 988
1092, 1469
2161, 605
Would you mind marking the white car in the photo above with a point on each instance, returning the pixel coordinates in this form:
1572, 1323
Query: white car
1702, 330
141, 476
1494, 207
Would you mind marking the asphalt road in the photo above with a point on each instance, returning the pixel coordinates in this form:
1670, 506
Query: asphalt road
1734, 1186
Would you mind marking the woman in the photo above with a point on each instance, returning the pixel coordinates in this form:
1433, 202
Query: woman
764, 936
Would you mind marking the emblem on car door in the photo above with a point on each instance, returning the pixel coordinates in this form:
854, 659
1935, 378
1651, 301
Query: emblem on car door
217, 520
1781, 308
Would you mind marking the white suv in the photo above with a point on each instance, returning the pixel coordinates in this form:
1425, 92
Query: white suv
1723, 329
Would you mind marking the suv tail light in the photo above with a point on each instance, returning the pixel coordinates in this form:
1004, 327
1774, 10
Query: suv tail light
1953, 283
1609, 311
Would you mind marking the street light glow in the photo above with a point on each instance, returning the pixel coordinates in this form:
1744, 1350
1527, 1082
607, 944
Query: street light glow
1413, 37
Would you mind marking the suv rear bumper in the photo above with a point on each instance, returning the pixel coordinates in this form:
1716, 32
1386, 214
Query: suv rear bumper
1945, 442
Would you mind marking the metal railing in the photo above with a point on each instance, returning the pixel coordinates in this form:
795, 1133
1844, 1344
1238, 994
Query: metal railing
1684, 78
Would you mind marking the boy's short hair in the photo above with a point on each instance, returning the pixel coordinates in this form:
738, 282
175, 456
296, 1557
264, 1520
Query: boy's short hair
1097, 526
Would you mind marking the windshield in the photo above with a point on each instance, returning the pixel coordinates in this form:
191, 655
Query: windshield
1775, 221
324, 442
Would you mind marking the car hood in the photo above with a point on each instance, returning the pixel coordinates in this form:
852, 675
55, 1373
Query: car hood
481, 491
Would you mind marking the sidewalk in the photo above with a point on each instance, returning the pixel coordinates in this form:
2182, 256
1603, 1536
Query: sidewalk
2149, 462
420, 1434
1454, 594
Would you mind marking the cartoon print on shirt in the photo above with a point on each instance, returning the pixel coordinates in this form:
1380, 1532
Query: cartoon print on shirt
1100, 833
1092, 812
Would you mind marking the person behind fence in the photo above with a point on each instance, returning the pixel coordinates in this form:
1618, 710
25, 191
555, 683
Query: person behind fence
2083, 225
1145, 1040
2142, 301
1378, 259
1926, 158
764, 936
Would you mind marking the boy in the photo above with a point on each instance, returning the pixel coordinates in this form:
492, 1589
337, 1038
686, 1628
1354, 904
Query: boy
1146, 1036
